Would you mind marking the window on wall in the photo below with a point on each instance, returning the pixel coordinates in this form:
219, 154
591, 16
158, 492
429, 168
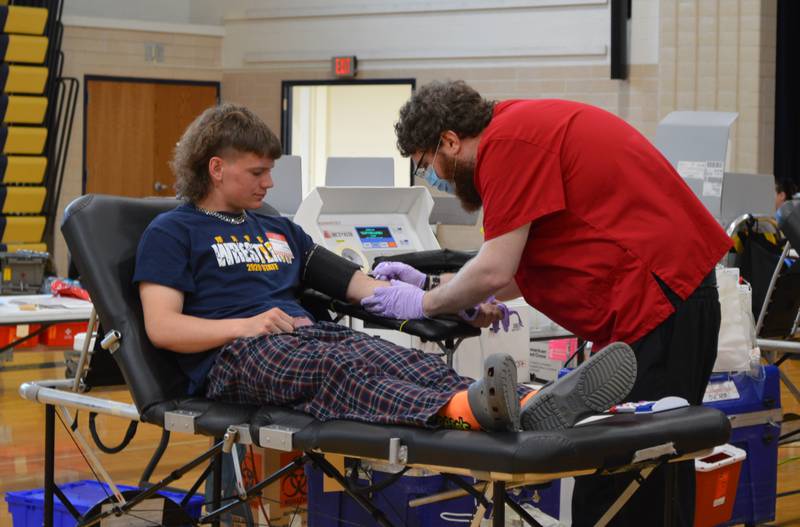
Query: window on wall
343, 119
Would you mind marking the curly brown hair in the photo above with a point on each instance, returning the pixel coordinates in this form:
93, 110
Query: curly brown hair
437, 107
218, 131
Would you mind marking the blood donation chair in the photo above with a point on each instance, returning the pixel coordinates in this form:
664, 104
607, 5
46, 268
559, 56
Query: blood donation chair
764, 247
102, 233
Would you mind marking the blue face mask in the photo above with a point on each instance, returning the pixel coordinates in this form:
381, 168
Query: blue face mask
436, 182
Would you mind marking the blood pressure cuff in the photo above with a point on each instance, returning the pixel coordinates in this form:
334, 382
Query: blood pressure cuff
431, 262
328, 273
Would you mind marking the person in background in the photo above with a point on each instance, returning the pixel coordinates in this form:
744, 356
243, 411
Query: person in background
785, 189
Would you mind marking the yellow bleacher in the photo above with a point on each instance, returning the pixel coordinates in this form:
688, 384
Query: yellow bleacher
24, 48
22, 229
22, 200
23, 169
24, 109
21, 19
23, 79
24, 139
24, 75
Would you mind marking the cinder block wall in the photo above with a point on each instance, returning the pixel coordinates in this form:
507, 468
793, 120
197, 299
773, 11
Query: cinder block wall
635, 99
720, 56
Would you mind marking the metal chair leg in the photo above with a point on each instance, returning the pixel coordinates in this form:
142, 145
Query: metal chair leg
49, 462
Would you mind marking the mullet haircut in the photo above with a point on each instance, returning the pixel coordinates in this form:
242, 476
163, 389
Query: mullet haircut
220, 130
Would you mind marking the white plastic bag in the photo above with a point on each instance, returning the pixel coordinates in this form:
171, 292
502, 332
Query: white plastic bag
737, 347
472, 352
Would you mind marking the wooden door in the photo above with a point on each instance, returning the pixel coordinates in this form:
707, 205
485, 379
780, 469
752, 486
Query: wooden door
175, 107
131, 130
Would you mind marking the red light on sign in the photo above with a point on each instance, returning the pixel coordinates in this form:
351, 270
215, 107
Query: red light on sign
344, 66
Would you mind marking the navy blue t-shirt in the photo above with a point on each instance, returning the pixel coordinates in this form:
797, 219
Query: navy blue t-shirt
224, 270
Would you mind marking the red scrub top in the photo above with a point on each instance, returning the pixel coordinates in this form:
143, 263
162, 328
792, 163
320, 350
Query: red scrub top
607, 212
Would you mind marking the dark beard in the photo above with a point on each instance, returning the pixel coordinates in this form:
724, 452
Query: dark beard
463, 177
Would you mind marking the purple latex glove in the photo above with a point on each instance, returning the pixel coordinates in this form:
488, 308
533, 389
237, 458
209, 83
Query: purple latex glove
399, 271
506, 320
401, 301
471, 313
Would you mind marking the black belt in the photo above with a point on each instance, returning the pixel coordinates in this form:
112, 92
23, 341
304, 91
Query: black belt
710, 280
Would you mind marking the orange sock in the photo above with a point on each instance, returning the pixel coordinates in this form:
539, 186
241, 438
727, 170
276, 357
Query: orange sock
526, 397
457, 413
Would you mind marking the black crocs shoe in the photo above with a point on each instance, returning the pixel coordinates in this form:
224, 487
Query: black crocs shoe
593, 387
493, 399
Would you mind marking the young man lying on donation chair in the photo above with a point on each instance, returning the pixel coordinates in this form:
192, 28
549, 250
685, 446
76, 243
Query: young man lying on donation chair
219, 286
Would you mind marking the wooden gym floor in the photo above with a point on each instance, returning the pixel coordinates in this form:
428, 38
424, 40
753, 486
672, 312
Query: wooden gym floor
22, 439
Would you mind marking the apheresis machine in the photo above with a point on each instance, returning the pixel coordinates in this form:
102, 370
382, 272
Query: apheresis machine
363, 223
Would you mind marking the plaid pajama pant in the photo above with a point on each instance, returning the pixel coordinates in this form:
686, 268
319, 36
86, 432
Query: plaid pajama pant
332, 372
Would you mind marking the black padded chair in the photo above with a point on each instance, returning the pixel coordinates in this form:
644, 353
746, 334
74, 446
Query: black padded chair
763, 256
102, 233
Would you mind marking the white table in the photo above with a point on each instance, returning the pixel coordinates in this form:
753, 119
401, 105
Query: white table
45, 310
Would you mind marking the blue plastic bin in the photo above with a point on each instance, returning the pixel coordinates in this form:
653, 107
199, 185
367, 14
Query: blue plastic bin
756, 493
337, 509
326, 509
27, 506
393, 501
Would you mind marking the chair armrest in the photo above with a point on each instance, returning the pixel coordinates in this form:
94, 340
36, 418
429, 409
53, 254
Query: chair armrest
431, 329
430, 262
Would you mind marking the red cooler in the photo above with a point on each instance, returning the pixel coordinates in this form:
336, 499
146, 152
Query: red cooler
9, 334
61, 335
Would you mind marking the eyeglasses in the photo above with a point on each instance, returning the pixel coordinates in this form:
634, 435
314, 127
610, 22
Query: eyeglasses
421, 170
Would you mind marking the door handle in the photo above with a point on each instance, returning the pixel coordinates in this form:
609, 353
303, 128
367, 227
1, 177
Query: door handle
159, 186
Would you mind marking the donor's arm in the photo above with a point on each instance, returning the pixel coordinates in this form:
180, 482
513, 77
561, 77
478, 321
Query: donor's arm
168, 328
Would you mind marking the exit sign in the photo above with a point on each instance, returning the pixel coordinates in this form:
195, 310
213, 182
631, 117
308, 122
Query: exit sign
345, 66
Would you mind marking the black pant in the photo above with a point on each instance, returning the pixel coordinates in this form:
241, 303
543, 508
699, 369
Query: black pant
676, 358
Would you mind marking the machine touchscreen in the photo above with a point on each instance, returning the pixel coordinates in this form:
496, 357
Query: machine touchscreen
375, 237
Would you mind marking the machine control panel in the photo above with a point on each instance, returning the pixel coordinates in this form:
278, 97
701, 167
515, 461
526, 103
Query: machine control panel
361, 239
381, 237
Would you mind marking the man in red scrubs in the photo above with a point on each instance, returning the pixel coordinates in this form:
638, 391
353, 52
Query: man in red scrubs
589, 222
